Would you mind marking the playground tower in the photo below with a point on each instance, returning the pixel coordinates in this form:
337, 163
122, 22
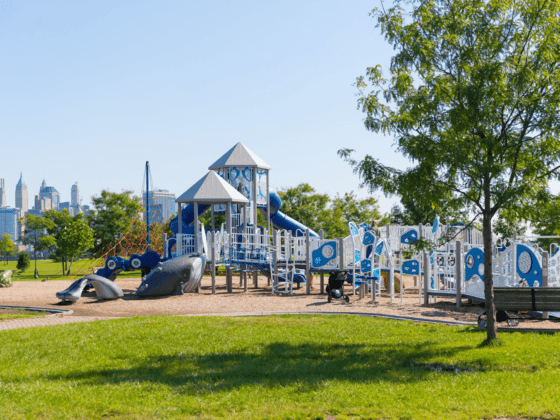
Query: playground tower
248, 174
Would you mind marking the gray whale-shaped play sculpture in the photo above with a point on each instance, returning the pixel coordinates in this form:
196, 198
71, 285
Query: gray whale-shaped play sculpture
105, 289
177, 276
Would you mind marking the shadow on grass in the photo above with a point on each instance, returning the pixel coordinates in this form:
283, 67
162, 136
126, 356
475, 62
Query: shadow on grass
305, 367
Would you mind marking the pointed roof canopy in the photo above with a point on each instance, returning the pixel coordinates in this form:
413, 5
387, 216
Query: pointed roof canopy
212, 188
239, 155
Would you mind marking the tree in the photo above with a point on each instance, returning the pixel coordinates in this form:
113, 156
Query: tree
112, 215
23, 261
60, 222
7, 247
507, 225
35, 234
319, 211
473, 100
349, 208
75, 239
305, 205
546, 222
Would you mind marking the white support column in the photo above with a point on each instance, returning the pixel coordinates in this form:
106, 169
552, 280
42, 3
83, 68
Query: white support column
545, 276
196, 227
458, 273
420, 266
427, 275
268, 226
229, 271
322, 289
254, 198
307, 262
213, 248
275, 247
341, 257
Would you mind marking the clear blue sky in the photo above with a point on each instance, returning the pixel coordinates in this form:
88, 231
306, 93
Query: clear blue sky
91, 90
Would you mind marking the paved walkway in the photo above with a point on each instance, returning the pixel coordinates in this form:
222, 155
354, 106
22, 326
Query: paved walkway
12, 324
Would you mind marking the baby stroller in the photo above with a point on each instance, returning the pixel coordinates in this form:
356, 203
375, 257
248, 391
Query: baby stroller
334, 288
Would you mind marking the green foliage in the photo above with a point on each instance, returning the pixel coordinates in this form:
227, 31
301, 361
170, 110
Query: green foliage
111, 216
7, 247
319, 211
6, 277
35, 234
473, 100
546, 222
275, 367
506, 225
23, 261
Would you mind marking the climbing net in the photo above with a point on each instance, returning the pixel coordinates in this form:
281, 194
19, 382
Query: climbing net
132, 241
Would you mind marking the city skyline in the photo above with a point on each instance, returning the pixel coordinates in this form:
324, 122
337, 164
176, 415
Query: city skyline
109, 95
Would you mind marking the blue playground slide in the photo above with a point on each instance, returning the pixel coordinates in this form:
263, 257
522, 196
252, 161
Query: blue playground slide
187, 218
279, 220
283, 221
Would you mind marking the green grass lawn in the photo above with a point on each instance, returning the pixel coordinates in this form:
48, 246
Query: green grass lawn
277, 367
53, 270
21, 315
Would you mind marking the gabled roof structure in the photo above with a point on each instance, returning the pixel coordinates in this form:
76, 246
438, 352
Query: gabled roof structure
239, 156
210, 189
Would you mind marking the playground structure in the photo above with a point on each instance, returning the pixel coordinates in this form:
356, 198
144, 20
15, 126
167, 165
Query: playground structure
237, 186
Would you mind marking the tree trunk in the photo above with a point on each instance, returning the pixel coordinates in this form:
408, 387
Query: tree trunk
71, 262
491, 325
36, 275
62, 261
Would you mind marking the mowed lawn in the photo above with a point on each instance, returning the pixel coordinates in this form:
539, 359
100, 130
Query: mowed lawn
275, 367
53, 270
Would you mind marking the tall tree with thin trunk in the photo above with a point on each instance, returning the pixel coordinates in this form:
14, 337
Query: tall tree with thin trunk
473, 100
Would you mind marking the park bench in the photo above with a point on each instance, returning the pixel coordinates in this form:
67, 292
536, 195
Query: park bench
514, 304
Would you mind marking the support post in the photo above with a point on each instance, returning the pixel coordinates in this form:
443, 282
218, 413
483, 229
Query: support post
458, 273
420, 266
196, 227
427, 275
254, 199
268, 201
229, 271
341, 257
545, 276
307, 262
322, 289
275, 247
213, 248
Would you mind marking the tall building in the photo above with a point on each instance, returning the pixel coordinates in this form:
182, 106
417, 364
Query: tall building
21, 195
51, 193
75, 195
9, 222
160, 205
3, 202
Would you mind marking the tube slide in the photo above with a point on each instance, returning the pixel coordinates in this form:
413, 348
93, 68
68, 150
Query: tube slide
283, 221
187, 218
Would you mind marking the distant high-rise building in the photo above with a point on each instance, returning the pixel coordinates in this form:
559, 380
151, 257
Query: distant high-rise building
75, 195
160, 205
51, 193
21, 195
39, 204
9, 222
3, 202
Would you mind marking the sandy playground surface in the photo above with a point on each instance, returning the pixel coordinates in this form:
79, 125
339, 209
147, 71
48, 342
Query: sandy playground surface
254, 301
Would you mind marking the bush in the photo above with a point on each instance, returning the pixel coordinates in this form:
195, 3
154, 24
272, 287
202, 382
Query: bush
6, 278
23, 261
